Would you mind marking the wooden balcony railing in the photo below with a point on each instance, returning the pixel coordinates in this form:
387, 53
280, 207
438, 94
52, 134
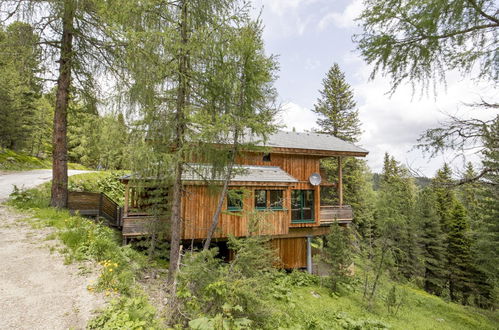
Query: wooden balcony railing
329, 214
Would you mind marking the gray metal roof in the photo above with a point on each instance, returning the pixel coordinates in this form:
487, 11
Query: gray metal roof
310, 141
243, 173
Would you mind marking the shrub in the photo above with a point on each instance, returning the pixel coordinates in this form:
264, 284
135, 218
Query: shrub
127, 313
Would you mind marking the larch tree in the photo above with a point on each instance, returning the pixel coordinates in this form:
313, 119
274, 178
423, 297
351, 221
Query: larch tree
240, 106
420, 41
75, 44
174, 56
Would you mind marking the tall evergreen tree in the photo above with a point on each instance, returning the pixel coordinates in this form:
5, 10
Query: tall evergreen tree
336, 107
20, 87
459, 255
432, 243
394, 213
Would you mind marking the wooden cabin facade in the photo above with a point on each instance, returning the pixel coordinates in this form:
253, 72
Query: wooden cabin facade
278, 190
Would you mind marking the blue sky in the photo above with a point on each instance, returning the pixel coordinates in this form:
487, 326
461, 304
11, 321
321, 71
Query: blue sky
310, 35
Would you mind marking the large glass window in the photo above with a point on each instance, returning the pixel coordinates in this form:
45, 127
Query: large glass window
302, 206
269, 199
234, 200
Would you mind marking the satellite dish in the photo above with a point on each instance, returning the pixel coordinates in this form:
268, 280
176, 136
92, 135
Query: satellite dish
315, 179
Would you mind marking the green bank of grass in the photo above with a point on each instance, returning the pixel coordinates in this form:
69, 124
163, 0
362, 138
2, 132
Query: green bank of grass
313, 307
86, 240
15, 161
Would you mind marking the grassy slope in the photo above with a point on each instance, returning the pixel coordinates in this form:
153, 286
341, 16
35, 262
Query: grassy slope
314, 307
14, 161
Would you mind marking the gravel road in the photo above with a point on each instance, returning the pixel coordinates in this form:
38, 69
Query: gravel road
37, 291
25, 179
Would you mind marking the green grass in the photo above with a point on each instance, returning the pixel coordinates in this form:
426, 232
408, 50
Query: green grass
15, 161
313, 307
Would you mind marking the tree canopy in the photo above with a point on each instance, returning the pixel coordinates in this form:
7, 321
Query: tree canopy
420, 41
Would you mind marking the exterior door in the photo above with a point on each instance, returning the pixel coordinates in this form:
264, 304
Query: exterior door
302, 206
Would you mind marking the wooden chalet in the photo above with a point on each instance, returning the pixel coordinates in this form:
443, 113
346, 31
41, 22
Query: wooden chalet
282, 187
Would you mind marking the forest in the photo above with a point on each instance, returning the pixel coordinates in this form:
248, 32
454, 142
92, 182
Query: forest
142, 86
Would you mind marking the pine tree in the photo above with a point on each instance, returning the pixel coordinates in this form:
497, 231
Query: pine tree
336, 107
432, 243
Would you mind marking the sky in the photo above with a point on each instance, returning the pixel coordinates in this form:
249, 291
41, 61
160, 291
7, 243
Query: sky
308, 36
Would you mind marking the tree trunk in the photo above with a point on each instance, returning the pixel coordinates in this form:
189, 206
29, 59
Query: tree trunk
182, 103
59, 196
216, 215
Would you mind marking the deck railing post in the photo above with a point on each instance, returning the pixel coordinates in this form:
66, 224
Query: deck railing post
340, 181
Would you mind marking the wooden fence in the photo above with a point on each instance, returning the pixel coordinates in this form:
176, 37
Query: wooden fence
95, 205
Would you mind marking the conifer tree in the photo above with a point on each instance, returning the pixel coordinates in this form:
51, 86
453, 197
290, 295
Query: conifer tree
445, 196
394, 212
459, 255
432, 243
20, 88
336, 107
337, 253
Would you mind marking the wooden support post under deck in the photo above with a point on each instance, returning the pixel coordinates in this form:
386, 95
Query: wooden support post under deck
309, 254
340, 182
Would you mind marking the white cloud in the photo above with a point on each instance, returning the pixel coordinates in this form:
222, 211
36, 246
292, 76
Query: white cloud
294, 116
393, 124
345, 19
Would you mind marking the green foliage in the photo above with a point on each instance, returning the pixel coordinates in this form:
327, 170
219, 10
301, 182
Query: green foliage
20, 88
132, 313
11, 160
105, 182
213, 292
338, 255
336, 107
432, 241
422, 40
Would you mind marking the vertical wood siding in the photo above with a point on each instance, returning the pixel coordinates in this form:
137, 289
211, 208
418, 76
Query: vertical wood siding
292, 252
199, 205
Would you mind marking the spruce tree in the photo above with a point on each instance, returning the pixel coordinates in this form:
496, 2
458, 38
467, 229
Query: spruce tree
336, 107
432, 243
459, 255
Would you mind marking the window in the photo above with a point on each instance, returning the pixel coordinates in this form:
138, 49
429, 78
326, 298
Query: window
234, 200
269, 199
276, 199
302, 206
266, 157
261, 199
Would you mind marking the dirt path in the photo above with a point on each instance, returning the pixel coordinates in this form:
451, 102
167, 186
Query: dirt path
37, 291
